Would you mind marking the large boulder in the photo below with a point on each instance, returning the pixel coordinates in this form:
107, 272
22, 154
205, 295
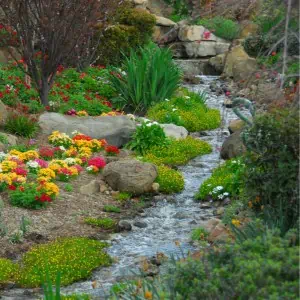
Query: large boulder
130, 176
218, 62
191, 33
174, 131
239, 65
233, 146
10, 140
205, 48
161, 21
116, 130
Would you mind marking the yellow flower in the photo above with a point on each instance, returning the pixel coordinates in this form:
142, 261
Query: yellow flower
235, 222
30, 155
148, 295
46, 173
8, 165
74, 171
82, 113
50, 188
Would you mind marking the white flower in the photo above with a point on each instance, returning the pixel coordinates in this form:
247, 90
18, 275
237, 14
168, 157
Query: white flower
90, 168
226, 194
70, 161
130, 116
75, 132
187, 97
167, 100
174, 109
155, 123
32, 164
210, 193
209, 184
51, 103
2, 156
220, 197
234, 162
62, 148
219, 188
148, 124
123, 73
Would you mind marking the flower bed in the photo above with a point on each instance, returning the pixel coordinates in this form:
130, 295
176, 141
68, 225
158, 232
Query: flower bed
29, 176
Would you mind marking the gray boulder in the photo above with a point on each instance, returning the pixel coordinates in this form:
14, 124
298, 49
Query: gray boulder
130, 176
233, 146
116, 130
205, 48
174, 131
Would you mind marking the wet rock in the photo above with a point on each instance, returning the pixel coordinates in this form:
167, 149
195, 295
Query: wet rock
220, 211
130, 175
181, 215
191, 79
140, 224
174, 131
92, 187
205, 205
236, 125
124, 226
193, 222
226, 201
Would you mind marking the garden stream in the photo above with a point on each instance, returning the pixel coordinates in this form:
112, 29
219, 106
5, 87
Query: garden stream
169, 223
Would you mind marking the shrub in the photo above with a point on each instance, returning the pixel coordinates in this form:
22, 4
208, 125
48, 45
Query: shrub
3, 139
254, 45
74, 258
178, 152
8, 271
22, 125
111, 208
123, 196
150, 77
260, 268
132, 28
169, 180
221, 27
147, 135
199, 234
272, 166
188, 110
105, 223
226, 180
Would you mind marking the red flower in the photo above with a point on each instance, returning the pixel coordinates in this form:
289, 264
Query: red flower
227, 93
82, 75
1, 95
12, 187
64, 171
46, 152
81, 137
79, 168
112, 150
107, 103
43, 198
98, 162
21, 171
47, 107
273, 53
257, 75
21, 188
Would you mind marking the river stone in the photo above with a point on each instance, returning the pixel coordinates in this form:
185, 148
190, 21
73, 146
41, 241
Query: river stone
130, 176
92, 187
116, 130
235, 125
124, 226
140, 224
174, 131
233, 146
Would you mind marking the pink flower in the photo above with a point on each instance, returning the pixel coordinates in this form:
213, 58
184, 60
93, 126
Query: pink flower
227, 93
206, 35
79, 168
42, 163
21, 171
98, 162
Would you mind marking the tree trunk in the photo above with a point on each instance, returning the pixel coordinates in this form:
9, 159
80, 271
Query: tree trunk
44, 92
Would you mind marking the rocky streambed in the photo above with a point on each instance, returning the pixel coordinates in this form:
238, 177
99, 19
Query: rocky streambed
164, 226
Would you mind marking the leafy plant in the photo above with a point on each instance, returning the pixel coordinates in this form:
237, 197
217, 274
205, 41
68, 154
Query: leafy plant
123, 196
3, 139
22, 125
69, 187
111, 208
73, 258
169, 180
271, 177
221, 27
226, 180
149, 76
105, 223
199, 234
8, 271
147, 135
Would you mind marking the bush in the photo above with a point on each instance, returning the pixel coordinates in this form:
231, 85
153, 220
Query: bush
178, 152
8, 271
105, 223
226, 180
74, 258
265, 267
272, 166
22, 125
199, 234
221, 27
147, 135
132, 28
188, 110
150, 77
254, 45
169, 180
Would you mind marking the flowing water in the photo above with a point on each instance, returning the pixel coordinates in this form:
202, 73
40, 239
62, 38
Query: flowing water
167, 222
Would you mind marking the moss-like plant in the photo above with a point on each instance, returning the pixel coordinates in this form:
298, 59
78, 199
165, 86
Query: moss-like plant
111, 208
123, 196
178, 152
188, 110
199, 234
8, 271
105, 223
169, 180
74, 258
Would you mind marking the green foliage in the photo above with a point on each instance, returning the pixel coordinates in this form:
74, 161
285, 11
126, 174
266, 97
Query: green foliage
74, 258
169, 180
69, 188
132, 28
105, 223
180, 9
199, 234
254, 45
233, 210
150, 77
22, 125
188, 110
272, 166
265, 267
8, 271
3, 139
146, 136
226, 180
221, 27
111, 208
123, 196
178, 152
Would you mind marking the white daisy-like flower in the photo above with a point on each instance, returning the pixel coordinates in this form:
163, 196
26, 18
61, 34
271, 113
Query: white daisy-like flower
75, 132
167, 100
62, 148
90, 168
174, 109
155, 123
225, 194
2, 156
219, 188
220, 197
32, 164
70, 161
